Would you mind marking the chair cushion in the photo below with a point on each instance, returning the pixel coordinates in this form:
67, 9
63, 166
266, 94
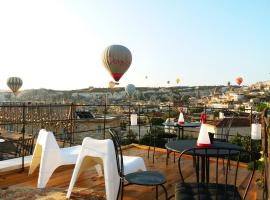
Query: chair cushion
212, 191
146, 178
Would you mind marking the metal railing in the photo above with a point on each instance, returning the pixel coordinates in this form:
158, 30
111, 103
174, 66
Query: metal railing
26, 119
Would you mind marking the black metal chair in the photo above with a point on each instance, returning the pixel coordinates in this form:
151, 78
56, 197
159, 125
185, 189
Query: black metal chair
146, 178
25, 146
225, 133
225, 129
218, 186
157, 134
17, 148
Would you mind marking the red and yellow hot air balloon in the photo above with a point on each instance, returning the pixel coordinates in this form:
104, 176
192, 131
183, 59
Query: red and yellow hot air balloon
239, 80
117, 59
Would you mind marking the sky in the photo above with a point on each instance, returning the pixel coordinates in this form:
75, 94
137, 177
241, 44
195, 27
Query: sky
58, 44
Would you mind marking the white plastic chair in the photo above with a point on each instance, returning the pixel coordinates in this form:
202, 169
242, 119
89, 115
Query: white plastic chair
93, 151
169, 126
49, 156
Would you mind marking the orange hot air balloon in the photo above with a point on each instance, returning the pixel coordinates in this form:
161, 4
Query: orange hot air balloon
239, 80
111, 84
117, 59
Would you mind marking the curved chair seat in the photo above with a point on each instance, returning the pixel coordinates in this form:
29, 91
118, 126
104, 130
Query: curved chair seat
150, 178
210, 191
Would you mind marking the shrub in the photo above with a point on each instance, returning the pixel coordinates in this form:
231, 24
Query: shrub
248, 145
157, 121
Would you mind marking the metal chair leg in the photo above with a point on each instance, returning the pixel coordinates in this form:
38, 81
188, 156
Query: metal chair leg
122, 191
148, 151
156, 192
165, 190
167, 157
154, 154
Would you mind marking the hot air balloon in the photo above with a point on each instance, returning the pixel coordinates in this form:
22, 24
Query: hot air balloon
117, 59
146, 77
168, 82
14, 83
130, 89
239, 80
178, 80
111, 84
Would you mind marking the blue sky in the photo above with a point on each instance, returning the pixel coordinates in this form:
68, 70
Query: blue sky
58, 44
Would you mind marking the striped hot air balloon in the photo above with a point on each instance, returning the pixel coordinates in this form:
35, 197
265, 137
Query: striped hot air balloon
117, 59
130, 89
14, 83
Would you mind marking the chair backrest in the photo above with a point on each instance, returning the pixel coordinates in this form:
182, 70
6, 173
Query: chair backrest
230, 179
25, 146
118, 152
226, 127
46, 142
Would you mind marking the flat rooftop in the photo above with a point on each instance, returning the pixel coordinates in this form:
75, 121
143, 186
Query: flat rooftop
90, 186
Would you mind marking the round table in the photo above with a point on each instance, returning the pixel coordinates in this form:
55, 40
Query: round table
183, 126
181, 145
205, 153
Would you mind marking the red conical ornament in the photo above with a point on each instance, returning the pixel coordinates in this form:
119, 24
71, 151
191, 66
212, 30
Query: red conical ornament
203, 138
181, 119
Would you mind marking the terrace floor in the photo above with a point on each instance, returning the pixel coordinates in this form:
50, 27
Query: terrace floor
90, 186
